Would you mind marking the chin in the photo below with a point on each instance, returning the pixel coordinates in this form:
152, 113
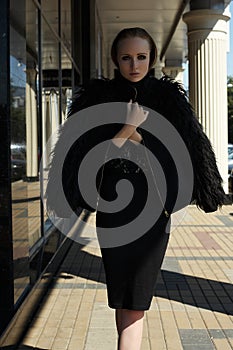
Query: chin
134, 79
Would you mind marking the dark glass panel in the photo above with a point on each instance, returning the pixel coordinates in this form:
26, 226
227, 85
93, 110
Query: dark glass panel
207, 4
20, 225
50, 106
33, 125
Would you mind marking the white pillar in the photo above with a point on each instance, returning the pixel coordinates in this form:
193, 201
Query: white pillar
54, 111
158, 69
175, 72
207, 44
50, 122
54, 119
46, 128
31, 125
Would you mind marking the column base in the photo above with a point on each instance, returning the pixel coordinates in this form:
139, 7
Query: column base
31, 178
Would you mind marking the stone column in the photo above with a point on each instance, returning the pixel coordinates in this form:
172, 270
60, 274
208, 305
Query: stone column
174, 69
158, 69
54, 111
46, 128
31, 126
207, 45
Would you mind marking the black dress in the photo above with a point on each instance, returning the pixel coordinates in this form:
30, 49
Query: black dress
132, 266
132, 257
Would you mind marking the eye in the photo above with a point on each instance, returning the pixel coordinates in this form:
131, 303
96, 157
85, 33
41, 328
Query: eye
142, 57
125, 58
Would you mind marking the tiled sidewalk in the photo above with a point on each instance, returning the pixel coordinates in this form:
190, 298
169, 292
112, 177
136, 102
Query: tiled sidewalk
192, 308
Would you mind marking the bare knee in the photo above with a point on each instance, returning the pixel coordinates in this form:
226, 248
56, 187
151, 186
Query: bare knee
130, 316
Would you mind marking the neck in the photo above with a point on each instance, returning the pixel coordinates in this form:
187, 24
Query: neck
131, 90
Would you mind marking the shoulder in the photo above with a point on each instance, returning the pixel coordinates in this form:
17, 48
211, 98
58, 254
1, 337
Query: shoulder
172, 86
97, 83
95, 86
174, 95
173, 102
88, 94
168, 95
166, 86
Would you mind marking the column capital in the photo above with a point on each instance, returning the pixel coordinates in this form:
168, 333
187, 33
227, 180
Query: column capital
31, 76
206, 19
158, 69
174, 72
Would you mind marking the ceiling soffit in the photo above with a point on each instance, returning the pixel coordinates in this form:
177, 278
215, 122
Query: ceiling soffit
162, 19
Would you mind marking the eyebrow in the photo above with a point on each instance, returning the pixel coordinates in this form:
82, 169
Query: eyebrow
140, 53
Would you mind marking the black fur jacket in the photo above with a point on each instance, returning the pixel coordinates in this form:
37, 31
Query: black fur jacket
165, 96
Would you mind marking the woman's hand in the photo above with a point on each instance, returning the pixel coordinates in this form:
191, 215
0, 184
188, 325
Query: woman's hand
136, 115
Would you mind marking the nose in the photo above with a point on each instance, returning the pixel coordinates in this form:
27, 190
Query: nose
134, 63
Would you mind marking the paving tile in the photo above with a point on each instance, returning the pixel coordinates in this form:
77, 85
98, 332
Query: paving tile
229, 333
158, 343
60, 344
76, 344
217, 334
194, 336
209, 319
198, 347
145, 344
171, 264
45, 343
28, 341
100, 339
222, 344
192, 308
34, 332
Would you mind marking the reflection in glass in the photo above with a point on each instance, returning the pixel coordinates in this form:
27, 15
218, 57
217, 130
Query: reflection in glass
33, 125
26, 125
66, 64
66, 85
18, 160
50, 89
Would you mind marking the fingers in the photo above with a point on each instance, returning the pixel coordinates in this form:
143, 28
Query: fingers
132, 107
135, 107
129, 106
136, 115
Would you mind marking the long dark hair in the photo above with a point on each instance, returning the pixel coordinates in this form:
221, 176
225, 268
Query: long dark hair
132, 33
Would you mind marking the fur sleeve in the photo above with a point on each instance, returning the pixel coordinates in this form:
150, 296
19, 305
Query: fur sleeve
83, 98
208, 193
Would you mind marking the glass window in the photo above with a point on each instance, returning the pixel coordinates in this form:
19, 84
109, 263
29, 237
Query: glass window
18, 151
31, 131
56, 72
33, 125
50, 89
66, 64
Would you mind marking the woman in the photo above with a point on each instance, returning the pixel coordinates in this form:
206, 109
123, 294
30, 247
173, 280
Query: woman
132, 268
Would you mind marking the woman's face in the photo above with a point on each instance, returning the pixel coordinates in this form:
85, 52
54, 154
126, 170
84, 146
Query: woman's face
133, 57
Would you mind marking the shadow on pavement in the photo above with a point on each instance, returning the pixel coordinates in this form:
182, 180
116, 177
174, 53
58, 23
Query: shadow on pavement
21, 347
195, 291
25, 347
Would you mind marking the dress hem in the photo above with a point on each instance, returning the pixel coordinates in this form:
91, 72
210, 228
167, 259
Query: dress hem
134, 307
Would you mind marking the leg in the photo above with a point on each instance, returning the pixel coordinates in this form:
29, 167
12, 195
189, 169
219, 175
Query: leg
118, 314
129, 327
